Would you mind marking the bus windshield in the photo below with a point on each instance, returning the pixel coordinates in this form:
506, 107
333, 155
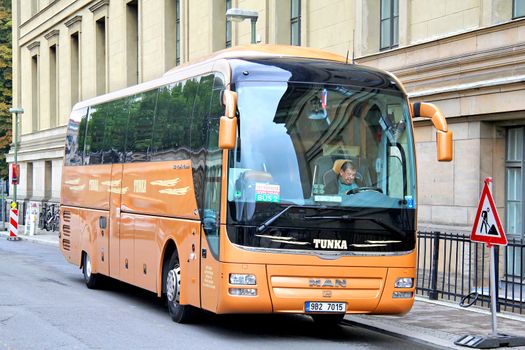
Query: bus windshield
296, 142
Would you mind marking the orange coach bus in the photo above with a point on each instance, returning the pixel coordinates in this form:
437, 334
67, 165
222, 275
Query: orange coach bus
219, 186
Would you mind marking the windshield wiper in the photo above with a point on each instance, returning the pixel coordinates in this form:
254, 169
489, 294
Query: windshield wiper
262, 227
390, 227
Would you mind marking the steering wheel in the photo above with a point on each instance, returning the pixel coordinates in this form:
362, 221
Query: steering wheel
363, 189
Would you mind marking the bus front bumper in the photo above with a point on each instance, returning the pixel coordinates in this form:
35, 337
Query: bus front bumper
257, 288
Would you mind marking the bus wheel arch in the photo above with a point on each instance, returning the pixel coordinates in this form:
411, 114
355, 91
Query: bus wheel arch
171, 286
169, 249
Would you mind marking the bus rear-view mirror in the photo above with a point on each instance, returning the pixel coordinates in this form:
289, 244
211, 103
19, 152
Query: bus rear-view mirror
444, 146
228, 124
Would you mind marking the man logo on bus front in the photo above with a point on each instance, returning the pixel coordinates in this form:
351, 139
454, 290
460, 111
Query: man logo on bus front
337, 283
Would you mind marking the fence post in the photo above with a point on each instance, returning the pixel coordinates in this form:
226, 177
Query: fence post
496, 276
433, 294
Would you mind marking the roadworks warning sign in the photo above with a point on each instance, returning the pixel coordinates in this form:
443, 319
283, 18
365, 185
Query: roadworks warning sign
487, 225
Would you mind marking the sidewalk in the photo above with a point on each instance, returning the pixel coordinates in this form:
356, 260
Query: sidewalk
441, 323
436, 323
41, 236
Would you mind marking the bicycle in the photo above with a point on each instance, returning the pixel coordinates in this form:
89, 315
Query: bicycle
52, 220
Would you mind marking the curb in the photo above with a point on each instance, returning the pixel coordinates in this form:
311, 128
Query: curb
418, 335
49, 241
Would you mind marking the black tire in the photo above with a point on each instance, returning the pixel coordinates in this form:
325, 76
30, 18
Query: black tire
172, 286
92, 279
326, 320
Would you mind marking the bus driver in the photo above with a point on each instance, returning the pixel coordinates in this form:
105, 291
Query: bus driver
346, 178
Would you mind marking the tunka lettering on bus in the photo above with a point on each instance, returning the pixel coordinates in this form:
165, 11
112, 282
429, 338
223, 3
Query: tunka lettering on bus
330, 243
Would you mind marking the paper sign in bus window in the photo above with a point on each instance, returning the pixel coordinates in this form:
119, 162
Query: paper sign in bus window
267, 193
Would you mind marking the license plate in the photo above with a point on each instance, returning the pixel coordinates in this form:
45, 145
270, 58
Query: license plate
317, 306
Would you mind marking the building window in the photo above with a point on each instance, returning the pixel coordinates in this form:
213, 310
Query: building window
34, 92
177, 32
170, 34
53, 81
228, 25
100, 47
48, 179
34, 7
29, 180
389, 24
75, 68
295, 23
514, 165
518, 8
132, 24
514, 175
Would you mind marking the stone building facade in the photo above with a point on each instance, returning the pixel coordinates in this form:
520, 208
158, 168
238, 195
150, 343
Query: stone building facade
467, 57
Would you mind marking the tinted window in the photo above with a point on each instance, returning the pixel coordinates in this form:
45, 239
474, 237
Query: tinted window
173, 119
200, 113
106, 134
115, 131
76, 131
140, 127
95, 136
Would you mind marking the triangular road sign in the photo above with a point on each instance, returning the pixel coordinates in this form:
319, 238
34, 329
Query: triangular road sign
487, 226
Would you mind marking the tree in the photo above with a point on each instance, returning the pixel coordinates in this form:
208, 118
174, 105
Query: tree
5, 84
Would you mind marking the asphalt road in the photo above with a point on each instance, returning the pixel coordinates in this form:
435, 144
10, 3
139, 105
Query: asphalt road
44, 304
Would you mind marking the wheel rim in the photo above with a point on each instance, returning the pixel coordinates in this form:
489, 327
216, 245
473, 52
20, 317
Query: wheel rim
173, 285
88, 266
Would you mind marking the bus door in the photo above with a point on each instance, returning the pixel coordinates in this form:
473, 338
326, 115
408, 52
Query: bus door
114, 220
210, 271
210, 268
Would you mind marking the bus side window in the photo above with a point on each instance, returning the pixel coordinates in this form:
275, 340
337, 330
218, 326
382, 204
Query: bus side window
140, 127
76, 134
172, 121
105, 136
94, 136
201, 108
115, 133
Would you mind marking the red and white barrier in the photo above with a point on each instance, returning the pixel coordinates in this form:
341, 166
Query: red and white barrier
13, 225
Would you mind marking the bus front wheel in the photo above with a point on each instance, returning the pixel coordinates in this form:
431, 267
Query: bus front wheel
179, 313
92, 279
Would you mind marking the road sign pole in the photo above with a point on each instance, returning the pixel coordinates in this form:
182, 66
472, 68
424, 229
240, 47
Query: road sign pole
493, 267
493, 300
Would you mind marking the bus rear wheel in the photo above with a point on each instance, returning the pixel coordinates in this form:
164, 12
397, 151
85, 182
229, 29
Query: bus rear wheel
179, 313
92, 279
328, 319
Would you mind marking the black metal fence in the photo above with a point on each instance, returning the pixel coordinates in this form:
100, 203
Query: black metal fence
451, 267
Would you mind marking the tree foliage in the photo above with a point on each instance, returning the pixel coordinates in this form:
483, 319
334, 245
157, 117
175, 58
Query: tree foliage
6, 85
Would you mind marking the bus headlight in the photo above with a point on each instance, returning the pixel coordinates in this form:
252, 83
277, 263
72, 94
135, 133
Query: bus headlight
404, 282
240, 278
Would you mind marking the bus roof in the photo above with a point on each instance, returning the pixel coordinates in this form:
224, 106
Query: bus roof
266, 51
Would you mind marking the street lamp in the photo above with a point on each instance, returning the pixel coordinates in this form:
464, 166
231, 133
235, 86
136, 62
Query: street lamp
239, 15
16, 111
